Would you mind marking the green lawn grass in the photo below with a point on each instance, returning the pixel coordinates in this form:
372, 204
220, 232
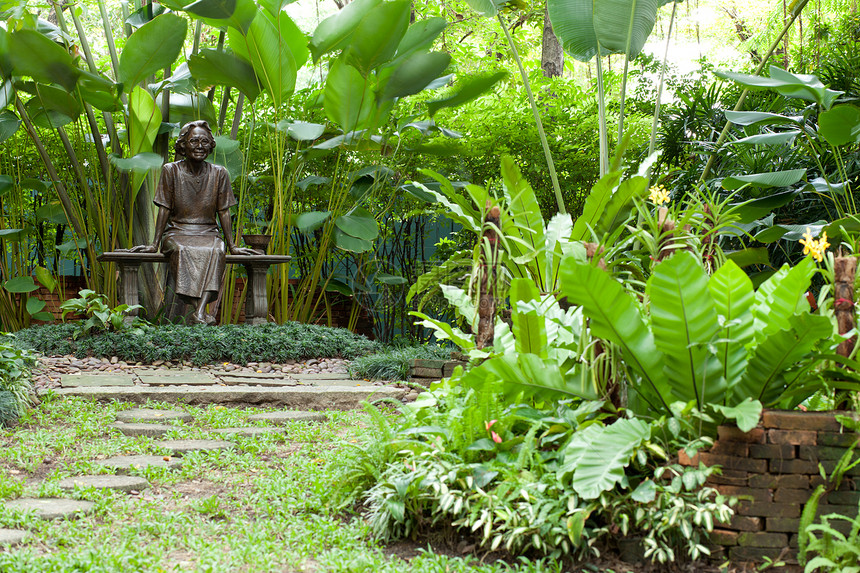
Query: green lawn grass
260, 507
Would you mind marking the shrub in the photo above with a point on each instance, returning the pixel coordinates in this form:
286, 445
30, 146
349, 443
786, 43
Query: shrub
393, 363
201, 344
16, 385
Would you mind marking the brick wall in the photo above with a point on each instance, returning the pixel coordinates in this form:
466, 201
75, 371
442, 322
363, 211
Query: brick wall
775, 467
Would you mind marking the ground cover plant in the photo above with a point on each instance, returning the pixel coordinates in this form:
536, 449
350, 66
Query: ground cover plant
392, 363
200, 345
264, 506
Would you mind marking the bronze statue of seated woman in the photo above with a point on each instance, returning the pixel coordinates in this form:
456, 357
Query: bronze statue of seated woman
191, 195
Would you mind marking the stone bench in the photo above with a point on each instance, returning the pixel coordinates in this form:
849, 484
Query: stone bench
256, 304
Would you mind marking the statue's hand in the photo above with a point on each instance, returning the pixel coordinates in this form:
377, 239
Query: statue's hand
143, 249
244, 251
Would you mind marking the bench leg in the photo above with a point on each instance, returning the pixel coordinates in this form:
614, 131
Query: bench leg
256, 303
128, 287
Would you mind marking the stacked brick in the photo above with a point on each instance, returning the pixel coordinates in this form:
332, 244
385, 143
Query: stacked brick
773, 469
425, 372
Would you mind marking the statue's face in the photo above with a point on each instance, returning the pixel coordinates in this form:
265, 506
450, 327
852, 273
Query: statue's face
198, 145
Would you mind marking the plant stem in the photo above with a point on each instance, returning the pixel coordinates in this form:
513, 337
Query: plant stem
544, 143
601, 115
653, 142
725, 133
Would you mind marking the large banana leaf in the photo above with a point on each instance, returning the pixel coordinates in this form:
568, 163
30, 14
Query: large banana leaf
616, 318
218, 67
733, 296
153, 47
528, 325
802, 86
840, 125
684, 323
334, 32
269, 54
601, 465
376, 38
610, 26
348, 97
764, 379
144, 121
33, 54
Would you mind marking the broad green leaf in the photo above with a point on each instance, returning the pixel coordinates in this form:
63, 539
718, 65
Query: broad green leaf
334, 32
376, 38
610, 26
802, 86
228, 154
525, 376
645, 492
7, 183
748, 257
840, 125
296, 40
7, 92
140, 163
236, 14
595, 206
601, 466
779, 352
764, 180
684, 323
468, 90
6, 69
99, 92
615, 317
620, 205
733, 296
269, 55
14, 235
304, 131
760, 118
746, 413
359, 224
350, 243
528, 326
348, 97
153, 47
35, 55
45, 277
420, 36
523, 219
781, 297
312, 220
782, 138
145, 14
222, 68
53, 107
415, 73
20, 285
215, 9
444, 331
144, 121
275, 7
755, 209
34, 305
462, 303
788, 232
488, 8
53, 213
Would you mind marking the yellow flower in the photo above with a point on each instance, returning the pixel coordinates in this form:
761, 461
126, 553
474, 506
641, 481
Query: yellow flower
658, 195
813, 247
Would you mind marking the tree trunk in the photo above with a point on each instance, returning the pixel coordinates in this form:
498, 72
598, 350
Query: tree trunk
552, 56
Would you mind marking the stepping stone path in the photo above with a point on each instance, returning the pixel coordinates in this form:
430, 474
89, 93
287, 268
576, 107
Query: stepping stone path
52, 507
175, 378
285, 417
249, 432
125, 464
95, 380
150, 415
12, 537
117, 483
147, 430
182, 447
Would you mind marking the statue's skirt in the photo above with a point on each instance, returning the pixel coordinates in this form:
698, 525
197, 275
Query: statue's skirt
197, 257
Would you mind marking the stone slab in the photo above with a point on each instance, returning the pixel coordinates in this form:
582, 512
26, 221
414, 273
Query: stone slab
52, 507
142, 429
285, 417
271, 382
322, 376
116, 483
12, 537
146, 414
182, 447
305, 397
249, 432
255, 375
166, 378
125, 464
340, 383
95, 380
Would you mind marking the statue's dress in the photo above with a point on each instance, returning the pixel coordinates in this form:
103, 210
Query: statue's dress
192, 240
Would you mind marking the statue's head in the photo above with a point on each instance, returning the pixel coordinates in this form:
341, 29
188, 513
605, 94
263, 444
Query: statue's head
185, 133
